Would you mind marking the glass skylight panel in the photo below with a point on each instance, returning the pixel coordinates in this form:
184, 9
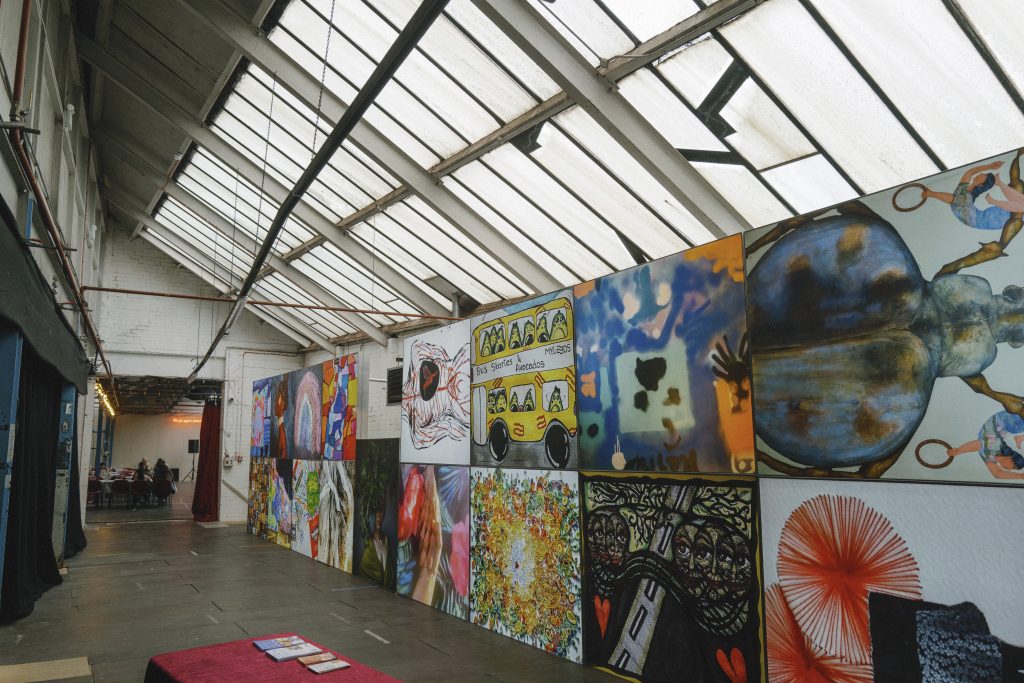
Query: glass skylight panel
648, 18
337, 278
764, 135
581, 127
746, 192
548, 214
328, 321
696, 74
922, 59
537, 253
1001, 25
500, 47
664, 110
339, 267
584, 24
782, 43
810, 184
626, 211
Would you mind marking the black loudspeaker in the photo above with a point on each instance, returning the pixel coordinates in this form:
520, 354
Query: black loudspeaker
193, 445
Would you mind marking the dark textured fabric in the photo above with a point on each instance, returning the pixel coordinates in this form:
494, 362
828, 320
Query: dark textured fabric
27, 302
240, 660
30, 568
206, 499
74, 540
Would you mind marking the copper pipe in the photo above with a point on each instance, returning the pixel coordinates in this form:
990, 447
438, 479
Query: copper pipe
277, 304
41, 202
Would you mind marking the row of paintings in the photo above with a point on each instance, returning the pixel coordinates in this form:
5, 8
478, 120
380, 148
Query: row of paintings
666, 577
307, 414
873, 339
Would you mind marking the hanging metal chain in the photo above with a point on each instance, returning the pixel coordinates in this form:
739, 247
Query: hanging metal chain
323, 78
266, 153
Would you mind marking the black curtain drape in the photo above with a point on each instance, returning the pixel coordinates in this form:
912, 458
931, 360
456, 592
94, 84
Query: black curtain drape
30, 568
74, 541
206, 499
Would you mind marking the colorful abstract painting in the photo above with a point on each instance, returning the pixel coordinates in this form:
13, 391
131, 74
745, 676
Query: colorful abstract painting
336, 514
377, 484
259, 488
280, 434
888, 581
525, 557
305, 506
524, 385
259, 442
433, 537
671, 578
662, 363
304, 414
338, 415
279, 503
885, 341
435, 397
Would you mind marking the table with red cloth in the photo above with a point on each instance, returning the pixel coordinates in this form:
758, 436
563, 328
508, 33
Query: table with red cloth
240, 660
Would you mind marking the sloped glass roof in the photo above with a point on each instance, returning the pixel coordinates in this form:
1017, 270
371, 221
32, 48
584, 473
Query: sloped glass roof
792, 106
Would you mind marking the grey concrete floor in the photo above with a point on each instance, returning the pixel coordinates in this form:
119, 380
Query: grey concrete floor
145, 588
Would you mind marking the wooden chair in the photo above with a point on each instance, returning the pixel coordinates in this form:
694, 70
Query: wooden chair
140, 489
94, 493
163, 490
121, 487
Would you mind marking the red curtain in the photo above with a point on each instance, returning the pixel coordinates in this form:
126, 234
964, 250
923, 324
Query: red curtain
206, 500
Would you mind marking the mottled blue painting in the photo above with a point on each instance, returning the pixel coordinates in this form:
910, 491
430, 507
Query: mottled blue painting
663, 365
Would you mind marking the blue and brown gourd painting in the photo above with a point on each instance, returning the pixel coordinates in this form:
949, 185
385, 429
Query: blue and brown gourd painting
852, 336
663, 365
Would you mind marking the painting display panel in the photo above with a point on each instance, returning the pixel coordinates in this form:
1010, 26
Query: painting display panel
259, 442
671, 590
279, 503
886, 581
433, 537
280, 435
524, 385
259, 488
305, 507
662, 363
435, 397
338, 415
304, 413
885, 340
336, 514
525, 557
377, 484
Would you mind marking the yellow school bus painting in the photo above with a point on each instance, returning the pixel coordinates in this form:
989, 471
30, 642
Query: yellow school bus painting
524, 385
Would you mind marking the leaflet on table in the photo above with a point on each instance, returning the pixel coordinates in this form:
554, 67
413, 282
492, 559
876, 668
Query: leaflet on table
285, 654
274, 643
324, 667
316, 659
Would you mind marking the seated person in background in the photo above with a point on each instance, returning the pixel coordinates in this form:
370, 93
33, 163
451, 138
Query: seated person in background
161, 472
142, 471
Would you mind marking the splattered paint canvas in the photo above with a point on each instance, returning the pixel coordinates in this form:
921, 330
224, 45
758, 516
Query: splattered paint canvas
435, 397
524, 385
662, 365
886, 341
376, 536
305, 506
885, 581
525, 557
259, 488
336, 514
433, 537
279, 503
304, 413
338, 415
671, 578
259, 442
280, 434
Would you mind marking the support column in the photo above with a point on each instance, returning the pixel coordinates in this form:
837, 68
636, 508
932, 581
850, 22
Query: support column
65, 435
98, 461
10, 374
